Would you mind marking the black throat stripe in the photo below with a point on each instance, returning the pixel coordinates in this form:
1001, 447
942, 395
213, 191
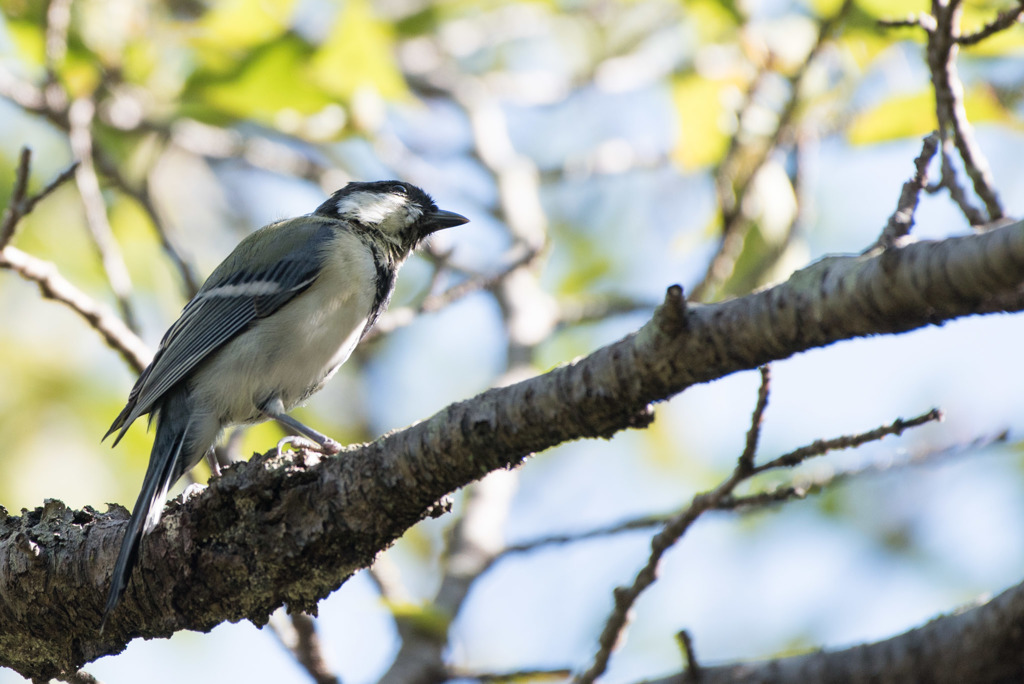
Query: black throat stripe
386, 271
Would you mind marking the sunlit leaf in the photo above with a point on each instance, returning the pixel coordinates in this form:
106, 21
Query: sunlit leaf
702, 139
426, 618
358, 53
892, 9
903, 116
28, 40
714, 20
269, 81
899, 116
237, 24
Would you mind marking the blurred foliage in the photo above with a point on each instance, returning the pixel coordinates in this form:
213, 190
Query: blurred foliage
646, 124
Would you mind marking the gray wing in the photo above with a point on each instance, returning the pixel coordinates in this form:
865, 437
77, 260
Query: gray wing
222, 309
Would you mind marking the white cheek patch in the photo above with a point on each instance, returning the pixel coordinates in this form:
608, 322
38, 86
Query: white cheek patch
369, 207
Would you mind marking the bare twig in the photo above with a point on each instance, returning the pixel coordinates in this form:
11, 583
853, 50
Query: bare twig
676, 527
54, 286
902, 220
299, 636
921, 20
746, 459
685, 642
50, 282
1003, 21
942, 51
956, 191
142, 196
798, 489
823, 446
16, 209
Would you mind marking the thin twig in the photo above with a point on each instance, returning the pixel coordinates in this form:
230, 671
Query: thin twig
141, 195
1003, 21
402, 316
16, 208
54, 286
676, 527
20, 204
685, 642
798, 489
902, 220
956, 191
298, 635
949, 103
746, 459
823, 446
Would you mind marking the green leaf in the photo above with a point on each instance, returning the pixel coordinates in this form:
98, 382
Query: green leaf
702, 139
900, 116
272, 79
28, 40
241, 24
358, 53
904, 116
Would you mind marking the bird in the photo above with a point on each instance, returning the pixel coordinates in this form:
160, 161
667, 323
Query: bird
269, 327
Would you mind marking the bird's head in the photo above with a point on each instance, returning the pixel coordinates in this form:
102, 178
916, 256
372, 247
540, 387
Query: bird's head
401, 213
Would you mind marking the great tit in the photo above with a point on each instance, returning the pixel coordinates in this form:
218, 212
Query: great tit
268, 328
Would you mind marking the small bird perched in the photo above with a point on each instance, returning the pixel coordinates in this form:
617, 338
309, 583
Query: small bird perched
268, 328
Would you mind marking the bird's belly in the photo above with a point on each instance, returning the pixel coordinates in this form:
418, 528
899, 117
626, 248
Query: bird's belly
289, 355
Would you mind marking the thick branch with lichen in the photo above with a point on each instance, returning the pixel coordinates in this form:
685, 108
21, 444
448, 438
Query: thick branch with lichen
292, 529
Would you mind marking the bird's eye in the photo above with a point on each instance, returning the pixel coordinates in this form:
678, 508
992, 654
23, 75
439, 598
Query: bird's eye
398, 189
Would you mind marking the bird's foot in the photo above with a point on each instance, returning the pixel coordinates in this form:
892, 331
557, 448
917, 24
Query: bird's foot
329, 447
194, 489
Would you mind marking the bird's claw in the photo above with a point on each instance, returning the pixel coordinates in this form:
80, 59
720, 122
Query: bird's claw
297, 442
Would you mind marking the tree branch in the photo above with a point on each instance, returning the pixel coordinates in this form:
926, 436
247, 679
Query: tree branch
292, 529
983, 644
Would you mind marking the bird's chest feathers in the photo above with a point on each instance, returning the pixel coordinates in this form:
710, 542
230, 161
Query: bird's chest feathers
299, 347
329, 318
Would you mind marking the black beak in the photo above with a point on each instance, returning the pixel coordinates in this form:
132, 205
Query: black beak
441, 219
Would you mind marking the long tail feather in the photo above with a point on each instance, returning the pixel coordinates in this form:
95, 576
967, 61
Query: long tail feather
165, 467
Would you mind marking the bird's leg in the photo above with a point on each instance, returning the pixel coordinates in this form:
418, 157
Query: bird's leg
211, 458
274, 408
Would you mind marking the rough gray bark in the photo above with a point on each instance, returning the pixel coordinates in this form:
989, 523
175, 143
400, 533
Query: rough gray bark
291, 530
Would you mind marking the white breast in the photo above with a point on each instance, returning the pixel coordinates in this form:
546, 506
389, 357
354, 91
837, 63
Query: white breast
295, 350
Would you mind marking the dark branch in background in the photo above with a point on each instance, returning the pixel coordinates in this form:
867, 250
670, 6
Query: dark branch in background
676, 527
1004, 20
21, 203
297, 633
942, 28
902, 220
685, 642
981, 643
17, 207
109, 169
801, 487
731, 190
